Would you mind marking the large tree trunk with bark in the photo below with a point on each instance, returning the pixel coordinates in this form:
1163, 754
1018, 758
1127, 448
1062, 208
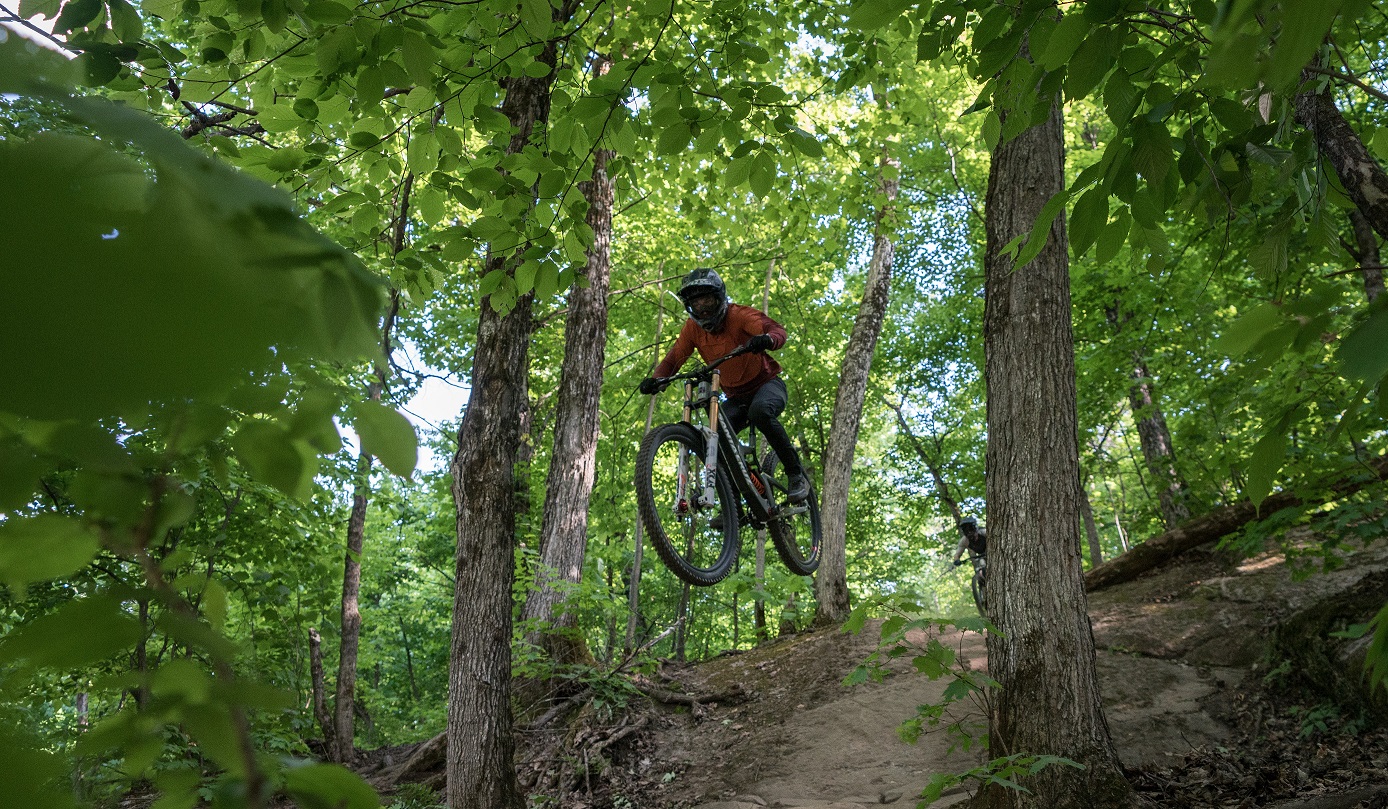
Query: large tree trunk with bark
1043, 657
564, 532
1362, 177
1221, 522
831, 582
481, 747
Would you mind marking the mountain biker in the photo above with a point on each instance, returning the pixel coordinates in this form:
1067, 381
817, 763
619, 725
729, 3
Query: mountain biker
756, 394
974, 538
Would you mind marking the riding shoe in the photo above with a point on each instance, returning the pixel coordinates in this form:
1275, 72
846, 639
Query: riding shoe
799, 487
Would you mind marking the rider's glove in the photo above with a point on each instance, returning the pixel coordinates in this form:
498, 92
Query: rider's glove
760, 343
650, 385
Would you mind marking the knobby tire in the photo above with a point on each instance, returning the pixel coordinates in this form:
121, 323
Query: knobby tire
797, 533
701, 545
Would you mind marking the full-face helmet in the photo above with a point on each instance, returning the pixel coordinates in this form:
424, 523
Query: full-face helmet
705, 298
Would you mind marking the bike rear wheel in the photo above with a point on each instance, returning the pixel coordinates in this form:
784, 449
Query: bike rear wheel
795, 531
698, 541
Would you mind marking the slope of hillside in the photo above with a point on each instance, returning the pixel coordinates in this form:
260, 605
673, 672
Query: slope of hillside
1183, 666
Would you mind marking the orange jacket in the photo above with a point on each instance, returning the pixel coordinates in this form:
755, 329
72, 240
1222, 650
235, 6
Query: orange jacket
742, 374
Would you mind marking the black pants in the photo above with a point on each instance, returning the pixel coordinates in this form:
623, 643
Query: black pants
760, 409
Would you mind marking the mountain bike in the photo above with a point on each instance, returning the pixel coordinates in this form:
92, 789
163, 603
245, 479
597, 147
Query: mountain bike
697, 484
978, 557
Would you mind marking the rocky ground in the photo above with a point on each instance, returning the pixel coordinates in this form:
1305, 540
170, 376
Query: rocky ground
1199, 716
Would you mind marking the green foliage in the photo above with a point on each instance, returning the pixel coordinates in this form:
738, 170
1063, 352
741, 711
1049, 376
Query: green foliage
1009, 772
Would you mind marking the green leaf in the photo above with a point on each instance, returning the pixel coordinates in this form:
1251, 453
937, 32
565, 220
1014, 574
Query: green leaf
537, 17
673, 139
125, 21
77, 14
45, 547
211, 727
1113, 238
1376, 659
273, 457
1362, 353
327, 12
1304, 27
1064, 41
1266, 460
287, 159
32, 778
363, 140
78, 633
992, 129
1248, 330
1041, 230
763, 174
387, 435
537, 70
306, 108
1269, 258
1094, 58
1120, 98
183, 679
420, 59
20, 470
1088, 219
866, 15
329, 786
371, 88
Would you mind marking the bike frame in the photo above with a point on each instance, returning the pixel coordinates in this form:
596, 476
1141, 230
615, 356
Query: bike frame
720, 439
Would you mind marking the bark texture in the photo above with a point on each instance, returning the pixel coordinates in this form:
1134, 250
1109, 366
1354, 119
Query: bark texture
831, 582
1043, 658
1363, 178
1221, 522
1368, 255
342, 745
320, 689
1158, 450
564, 531
481, 748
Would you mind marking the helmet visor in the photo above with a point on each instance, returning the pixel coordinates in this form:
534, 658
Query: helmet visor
704, 306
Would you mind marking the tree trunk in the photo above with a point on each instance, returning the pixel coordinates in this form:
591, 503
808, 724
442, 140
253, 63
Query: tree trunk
480, 769
1043, 657
1368, 255
759, 600
1158, 451
1221, 522
634, 586
1091, 530
342, 748
1363, 178
831, 583
319, 687
564, 531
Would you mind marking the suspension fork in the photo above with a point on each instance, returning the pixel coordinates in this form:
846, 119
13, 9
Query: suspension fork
710, 431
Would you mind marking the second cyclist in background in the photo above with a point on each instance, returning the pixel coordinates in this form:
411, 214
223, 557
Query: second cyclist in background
756, 394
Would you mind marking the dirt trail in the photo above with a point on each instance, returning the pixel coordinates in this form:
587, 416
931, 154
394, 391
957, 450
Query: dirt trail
1174, 648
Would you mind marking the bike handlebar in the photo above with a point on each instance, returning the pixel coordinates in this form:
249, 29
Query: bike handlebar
699, 373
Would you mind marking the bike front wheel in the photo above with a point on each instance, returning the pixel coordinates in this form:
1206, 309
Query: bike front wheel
977, 586
795, 531
697, 540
